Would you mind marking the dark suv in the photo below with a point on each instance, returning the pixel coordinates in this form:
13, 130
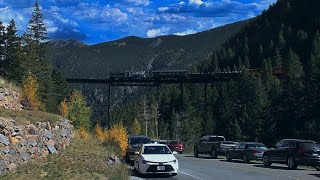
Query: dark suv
134, 142
294, 152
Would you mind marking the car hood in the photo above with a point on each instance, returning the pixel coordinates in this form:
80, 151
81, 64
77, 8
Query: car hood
158, 157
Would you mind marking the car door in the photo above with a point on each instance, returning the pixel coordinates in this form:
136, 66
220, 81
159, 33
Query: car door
239, 150
275, 154
286, 149
201, 145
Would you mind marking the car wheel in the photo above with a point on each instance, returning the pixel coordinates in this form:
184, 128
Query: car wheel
195, 152
317, 168
180, 152
214, 154
266, 161
228, 157
245, 158
291, 162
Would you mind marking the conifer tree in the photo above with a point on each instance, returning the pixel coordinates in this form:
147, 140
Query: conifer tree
14, 54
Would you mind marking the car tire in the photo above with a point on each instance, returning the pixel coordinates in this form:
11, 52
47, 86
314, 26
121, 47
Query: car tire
195, 152
180, 152
229, 159
245, 158
291, 162
317, 168
214, 154
266, 161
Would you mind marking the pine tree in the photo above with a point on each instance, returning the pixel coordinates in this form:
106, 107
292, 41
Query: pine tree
215, 62
13, 56
136, 127
294, 67
281, 40
247, 62
2, 50
277, 59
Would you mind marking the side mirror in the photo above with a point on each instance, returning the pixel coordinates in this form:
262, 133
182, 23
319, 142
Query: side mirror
136, 153
174, 152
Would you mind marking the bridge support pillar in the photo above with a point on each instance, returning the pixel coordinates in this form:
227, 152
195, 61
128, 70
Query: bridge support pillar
109, 105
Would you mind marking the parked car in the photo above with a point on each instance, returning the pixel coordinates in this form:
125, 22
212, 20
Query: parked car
175, 146
134, 142
246, 151
294, 152
156, 159
209, 145
226, 145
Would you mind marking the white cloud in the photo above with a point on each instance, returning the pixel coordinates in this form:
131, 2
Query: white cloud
186, 32
195, 2
157, 32
139, 2
162, 9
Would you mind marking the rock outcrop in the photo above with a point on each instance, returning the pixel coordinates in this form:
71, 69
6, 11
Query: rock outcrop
10, 99
20, 143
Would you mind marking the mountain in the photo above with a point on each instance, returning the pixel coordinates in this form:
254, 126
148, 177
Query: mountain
77, 59
260, 107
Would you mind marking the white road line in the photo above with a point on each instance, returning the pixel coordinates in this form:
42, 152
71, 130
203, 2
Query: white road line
188, 175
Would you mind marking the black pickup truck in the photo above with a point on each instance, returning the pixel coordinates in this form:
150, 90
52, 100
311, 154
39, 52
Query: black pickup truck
209, 145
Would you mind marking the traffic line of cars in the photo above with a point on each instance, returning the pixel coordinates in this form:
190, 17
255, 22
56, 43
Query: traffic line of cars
293, 152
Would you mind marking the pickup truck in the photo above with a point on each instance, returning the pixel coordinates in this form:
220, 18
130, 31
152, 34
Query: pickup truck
210, 144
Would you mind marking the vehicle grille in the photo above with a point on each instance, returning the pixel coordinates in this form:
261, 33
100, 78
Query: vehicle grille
153, 168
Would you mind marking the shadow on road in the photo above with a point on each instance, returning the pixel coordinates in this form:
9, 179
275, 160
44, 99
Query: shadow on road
277, 167
316, 175
239, 162
200, 157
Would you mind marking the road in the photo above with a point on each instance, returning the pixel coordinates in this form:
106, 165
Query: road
191, 168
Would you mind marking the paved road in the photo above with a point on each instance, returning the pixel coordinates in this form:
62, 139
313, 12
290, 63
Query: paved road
219, 169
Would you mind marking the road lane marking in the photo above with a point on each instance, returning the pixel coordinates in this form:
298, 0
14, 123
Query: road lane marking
188, 175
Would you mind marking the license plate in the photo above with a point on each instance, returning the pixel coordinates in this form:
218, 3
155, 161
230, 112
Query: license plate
161, 168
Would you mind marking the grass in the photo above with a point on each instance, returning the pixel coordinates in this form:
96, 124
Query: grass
83, 159
4, 83
32, 116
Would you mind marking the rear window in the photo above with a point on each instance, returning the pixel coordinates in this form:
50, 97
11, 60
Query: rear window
139, 140
174, 142
310, 145
212, 139
256, 145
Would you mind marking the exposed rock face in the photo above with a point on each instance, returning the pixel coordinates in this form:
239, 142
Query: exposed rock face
10, 99
20, 143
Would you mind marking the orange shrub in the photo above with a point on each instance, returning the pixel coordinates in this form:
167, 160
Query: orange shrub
99, 133
118, 134
83, 133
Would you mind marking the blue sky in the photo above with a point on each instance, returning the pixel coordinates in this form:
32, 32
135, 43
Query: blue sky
95, 21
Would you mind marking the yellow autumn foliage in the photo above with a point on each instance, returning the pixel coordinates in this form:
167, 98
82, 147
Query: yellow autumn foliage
30, 91
118, 134
64, 109
99, 133
83, 133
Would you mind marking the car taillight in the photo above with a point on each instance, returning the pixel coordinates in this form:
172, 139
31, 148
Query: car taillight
301, 150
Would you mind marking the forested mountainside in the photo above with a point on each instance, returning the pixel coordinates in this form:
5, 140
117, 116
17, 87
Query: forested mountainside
261, 107
76, 59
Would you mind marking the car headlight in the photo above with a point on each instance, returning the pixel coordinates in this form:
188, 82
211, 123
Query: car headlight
174, 161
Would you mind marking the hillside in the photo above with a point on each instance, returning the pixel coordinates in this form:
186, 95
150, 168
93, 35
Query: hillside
258, 107
76, 59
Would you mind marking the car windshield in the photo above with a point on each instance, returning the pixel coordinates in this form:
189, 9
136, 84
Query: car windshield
310, 145
156, 150
212, 139
259, 145
139, 140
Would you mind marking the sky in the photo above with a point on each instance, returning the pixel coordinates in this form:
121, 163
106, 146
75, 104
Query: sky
96, 21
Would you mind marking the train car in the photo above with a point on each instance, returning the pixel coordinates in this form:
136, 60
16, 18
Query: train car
169, 74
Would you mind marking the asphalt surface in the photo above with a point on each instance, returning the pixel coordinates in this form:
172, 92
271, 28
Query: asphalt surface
219, 169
